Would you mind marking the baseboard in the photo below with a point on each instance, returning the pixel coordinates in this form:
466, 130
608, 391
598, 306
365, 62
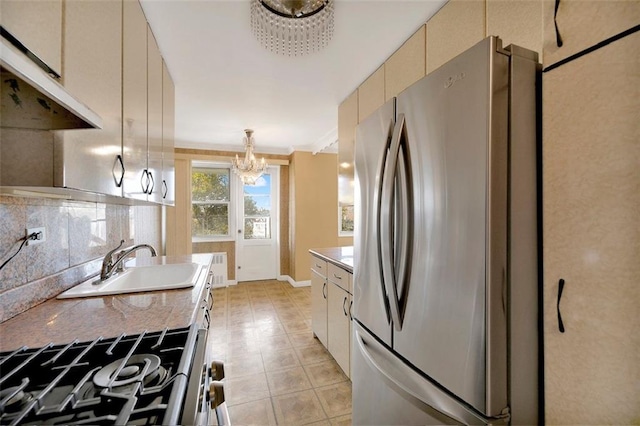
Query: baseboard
294, 283
228, 283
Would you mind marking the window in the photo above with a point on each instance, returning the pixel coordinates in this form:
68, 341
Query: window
346, 220
257, 209
210, 202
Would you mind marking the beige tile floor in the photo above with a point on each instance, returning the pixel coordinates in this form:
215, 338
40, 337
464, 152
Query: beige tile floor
277, 373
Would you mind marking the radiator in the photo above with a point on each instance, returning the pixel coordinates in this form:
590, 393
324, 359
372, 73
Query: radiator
219, 270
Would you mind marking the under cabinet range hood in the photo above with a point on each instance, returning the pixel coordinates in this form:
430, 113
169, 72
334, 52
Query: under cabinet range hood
31, 99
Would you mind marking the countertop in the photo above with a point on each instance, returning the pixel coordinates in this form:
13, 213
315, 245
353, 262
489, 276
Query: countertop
61, 321
339, 256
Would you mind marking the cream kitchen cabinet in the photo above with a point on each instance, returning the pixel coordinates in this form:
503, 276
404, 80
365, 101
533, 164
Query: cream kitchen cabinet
339, 325
591, 181
134, 101
319, 299
406, 65
92, 63
37, 25
370, 95
168, 128
331, 306
456, 27
154, 117
583, 24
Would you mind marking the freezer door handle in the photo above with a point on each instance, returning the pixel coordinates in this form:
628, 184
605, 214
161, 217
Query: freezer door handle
387, 222
417, 389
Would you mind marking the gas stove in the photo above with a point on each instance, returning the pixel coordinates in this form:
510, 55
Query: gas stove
150, 378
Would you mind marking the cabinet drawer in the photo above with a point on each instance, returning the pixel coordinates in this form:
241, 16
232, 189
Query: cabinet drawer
338, 276
319, 265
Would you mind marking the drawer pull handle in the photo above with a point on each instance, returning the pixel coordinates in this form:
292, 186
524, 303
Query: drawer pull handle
318, 266
559, 42
560, 288
337, 276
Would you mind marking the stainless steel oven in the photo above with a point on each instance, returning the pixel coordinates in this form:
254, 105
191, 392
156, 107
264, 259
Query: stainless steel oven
205, 401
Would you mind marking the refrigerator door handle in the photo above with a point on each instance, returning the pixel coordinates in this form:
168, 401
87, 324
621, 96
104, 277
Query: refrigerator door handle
420, 391
387, 222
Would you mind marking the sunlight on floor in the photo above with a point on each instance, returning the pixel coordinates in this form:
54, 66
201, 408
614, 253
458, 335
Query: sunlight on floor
277, 373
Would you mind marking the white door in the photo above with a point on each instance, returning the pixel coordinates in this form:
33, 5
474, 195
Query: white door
257, 243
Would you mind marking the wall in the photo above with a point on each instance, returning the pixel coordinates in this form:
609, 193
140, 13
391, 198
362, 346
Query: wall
78, 234
314, 186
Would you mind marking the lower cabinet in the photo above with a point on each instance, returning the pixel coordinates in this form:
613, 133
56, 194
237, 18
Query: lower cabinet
331, 304
339, 326
319, 306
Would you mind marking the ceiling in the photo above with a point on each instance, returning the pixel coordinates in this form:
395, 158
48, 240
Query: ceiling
226, 81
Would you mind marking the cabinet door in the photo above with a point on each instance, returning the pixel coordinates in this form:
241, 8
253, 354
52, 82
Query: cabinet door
37, 25
93, 72
584, 23
154, 118
370, 96
591, 182
456, 27
338, 326
319, 307
168, 128
134, 100
406, 65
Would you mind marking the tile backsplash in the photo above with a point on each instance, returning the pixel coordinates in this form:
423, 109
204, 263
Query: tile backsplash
78, 234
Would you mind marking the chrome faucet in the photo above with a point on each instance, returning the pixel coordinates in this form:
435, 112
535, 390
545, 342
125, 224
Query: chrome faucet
109, 265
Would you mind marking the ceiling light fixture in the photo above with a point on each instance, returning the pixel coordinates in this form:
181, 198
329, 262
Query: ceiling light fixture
292, 27
248, 169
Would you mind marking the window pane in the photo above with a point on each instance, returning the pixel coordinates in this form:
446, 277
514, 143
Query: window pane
346, 218
257, 198
257, 228
209, 185
210, 220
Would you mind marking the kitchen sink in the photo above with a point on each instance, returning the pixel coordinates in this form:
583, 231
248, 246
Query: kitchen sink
139, 279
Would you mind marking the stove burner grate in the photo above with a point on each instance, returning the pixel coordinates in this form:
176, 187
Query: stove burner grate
138, 379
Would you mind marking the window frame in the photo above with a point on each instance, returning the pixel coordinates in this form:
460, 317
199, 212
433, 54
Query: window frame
341, 232
231, 203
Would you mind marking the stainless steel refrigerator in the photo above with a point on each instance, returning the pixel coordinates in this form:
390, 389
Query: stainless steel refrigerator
446, 247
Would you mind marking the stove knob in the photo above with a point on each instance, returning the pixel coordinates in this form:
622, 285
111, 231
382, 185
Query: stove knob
217, 370
216, 394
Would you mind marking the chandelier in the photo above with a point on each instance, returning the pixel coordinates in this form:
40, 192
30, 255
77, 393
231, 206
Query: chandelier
248, 169
292, 27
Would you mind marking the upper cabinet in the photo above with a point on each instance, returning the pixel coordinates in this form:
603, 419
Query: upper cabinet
92, 65
154, 115
111, 61
370, 95
37, 25
583, 24
168, 130
456, 27
516, 22
406, 65
134, 101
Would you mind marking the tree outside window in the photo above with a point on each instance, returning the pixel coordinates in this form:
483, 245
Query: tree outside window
210, 198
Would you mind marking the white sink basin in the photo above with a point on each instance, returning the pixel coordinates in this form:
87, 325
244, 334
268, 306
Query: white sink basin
139, 278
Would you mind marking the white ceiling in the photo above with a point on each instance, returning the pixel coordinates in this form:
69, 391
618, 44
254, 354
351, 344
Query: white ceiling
226, 81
